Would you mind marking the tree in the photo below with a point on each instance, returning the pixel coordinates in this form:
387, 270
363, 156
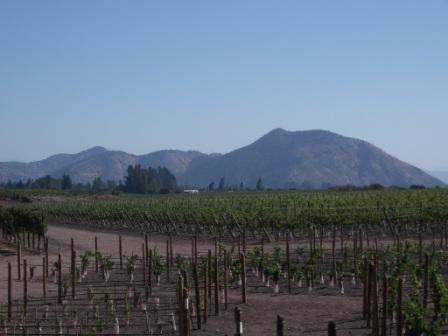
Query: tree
66, 183
222, 184
151, 180
241, 186
211, 186
259, 185
97, 184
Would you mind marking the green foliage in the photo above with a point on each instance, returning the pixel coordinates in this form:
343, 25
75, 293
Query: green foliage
440, 299
130, 265
144, 181
14, 220
85, 260
106, 264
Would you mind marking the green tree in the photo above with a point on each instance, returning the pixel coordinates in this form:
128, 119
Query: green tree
97, 184
259, 185
151, 180
66, 183
222, 184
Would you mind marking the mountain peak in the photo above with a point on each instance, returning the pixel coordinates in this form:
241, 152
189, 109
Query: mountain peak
307, 159
95, 150
281, 158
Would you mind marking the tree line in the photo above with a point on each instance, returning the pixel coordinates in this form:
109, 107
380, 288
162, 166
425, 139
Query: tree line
138, 180
241, 187
64, 183
151, 180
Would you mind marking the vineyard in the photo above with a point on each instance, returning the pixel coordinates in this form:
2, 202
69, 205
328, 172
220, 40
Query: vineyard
197, 258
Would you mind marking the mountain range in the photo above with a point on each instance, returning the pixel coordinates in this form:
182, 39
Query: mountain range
282, 159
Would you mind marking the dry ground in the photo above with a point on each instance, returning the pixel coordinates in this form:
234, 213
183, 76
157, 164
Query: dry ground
304, 313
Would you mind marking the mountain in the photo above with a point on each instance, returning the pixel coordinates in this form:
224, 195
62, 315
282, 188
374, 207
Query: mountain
282, 159
440, 174
96, 162
306, 159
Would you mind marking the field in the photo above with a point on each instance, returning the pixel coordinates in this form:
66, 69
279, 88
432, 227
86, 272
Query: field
371, 262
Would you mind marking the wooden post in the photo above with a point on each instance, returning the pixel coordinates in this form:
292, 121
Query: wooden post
46, 256
44, 280
216, 279
210, 275
375, 312
73, 274
196, 247
238, 322
399, 310
146, 276
331, 329
420, 245
333, 252
205, 293
355, 256
365, 289
19, 258
146, 248
25, 287
168, 270
288, 263
9, 292
280, 323
60, 278
244, 240
369, 296
96, 252
384, 317
243, 278
72, 249
226, 267
144, 264
120, 251
150, 268
197, 295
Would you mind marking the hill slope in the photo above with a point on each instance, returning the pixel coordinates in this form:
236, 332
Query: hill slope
96, 162
308, 159
442, 175
304, 159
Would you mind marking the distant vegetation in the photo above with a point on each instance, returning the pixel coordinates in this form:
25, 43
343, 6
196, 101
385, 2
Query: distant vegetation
138, 180
145, 181
15, 220
65, 184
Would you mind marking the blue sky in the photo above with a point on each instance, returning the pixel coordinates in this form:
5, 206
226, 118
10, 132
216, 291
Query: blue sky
215, 75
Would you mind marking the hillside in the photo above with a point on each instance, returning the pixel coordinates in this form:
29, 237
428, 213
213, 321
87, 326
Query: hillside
96, 162
283, 159
307, 159
442, 175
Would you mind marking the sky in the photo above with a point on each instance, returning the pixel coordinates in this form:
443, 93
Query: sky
213, 76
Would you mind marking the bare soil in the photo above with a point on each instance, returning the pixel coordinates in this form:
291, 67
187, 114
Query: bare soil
303, 312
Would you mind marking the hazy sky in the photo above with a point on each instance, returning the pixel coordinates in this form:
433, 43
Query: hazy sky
215, 75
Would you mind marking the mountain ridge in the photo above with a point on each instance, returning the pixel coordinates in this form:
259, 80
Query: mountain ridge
283, 159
